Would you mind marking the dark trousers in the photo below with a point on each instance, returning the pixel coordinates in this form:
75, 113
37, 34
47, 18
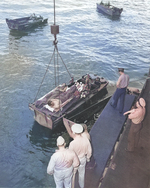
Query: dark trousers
119, 94
134, 136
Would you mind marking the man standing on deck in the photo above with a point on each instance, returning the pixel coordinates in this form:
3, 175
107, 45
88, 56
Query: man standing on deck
82, 147
120, 92
136, 115
63, 164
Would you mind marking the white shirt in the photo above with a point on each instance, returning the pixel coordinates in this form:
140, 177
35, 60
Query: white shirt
81, 146
123, 81
61, 160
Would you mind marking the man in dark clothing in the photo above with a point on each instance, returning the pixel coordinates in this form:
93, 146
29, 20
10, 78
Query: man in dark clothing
120, 92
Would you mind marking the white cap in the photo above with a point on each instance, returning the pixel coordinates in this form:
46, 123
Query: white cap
60, 141
77, 128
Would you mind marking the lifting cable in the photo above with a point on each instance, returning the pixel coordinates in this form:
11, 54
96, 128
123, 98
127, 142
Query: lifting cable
54, 31
44, 76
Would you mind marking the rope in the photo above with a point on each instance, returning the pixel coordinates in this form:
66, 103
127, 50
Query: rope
57, 69
54, 12
56, 65
44, 76
54, 68
64, 64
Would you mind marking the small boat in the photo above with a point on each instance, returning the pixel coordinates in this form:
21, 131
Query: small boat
21, 24
108, 9
69, 101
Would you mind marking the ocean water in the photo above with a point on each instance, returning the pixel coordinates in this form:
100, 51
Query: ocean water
88, 42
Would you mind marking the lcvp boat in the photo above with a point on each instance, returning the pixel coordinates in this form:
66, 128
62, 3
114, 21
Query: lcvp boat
21, 24
108, 9
68, 100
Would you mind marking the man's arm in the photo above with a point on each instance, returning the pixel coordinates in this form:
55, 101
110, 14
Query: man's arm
118, 82
89, 152
68, 125
130, 111
50, 167
76, 161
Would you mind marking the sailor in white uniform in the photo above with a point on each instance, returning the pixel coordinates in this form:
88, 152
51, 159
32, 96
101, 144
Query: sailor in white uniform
82, 147
63, 164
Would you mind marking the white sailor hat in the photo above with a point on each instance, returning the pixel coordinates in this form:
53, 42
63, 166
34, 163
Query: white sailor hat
77, 128
60, 141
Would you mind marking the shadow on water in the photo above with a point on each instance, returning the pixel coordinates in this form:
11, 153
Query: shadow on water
44, 137
19, 34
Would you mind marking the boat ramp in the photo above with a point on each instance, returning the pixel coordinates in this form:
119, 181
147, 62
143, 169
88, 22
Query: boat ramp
116, 167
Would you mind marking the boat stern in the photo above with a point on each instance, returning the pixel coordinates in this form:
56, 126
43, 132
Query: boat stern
41, 118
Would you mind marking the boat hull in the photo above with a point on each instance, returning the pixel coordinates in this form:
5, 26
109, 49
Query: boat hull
109, 10
79, 114
22, 24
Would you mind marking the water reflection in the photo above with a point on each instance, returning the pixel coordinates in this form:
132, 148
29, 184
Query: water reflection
43, 137
19, 34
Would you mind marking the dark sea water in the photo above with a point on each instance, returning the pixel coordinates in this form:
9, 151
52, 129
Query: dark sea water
88, 42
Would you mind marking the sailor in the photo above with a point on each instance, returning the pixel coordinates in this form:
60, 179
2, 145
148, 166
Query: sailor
82, 147
63, 164
68, 125
136, 115
120, 92
92, 163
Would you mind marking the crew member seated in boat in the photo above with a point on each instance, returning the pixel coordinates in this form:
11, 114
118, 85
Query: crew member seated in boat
91, 84
87, 86
69, 93
57, 91
55, 104
62, 99
63, 88
58, 101
97, 82
71, 82
63, 94
79, 86
52, 95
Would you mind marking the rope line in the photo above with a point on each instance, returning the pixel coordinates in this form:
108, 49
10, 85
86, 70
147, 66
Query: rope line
43, 77
64, 63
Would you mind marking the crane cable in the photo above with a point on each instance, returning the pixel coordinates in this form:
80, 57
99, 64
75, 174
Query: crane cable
55, 31
43, 77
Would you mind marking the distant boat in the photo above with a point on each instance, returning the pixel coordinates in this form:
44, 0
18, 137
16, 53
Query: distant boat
25, 23
108, 9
